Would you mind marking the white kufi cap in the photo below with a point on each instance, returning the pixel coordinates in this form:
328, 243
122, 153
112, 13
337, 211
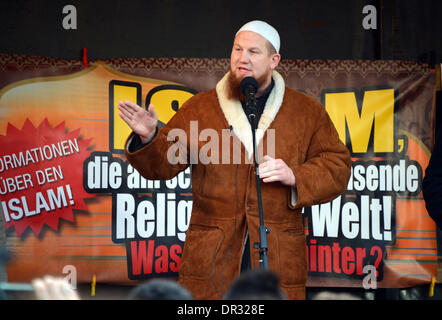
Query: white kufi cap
264, 29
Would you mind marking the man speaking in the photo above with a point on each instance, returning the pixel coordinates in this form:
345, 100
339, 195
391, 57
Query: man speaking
308, 165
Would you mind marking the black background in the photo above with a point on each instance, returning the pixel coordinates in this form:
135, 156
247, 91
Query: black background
309, 29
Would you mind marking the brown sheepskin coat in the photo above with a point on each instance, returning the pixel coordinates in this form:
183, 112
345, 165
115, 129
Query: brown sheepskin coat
224, 193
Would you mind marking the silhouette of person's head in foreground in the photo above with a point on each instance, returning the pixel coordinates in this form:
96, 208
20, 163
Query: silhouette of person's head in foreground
160, 289
256, 285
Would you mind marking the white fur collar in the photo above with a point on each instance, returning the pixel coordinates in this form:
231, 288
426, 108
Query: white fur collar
236, 117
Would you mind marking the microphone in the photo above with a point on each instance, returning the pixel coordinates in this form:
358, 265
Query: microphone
249, 86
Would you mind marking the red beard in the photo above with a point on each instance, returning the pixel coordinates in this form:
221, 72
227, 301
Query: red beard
234, 91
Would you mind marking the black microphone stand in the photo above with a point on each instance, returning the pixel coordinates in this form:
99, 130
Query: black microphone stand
263, 230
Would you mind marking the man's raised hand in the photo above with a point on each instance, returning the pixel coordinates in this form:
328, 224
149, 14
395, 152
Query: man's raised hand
142, 122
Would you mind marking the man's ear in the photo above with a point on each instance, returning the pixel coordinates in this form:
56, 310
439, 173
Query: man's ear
276, 57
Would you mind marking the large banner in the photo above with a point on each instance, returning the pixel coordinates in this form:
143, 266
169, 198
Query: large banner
72, 203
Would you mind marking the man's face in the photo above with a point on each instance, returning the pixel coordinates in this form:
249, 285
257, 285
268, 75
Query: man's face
251, 58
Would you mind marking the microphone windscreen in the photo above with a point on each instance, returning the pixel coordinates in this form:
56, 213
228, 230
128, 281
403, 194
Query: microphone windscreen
248, 83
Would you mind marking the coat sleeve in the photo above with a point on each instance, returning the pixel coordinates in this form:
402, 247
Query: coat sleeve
166, 155
325, 173
432, 183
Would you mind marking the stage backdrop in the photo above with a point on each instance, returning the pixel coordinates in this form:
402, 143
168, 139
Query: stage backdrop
72, 204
